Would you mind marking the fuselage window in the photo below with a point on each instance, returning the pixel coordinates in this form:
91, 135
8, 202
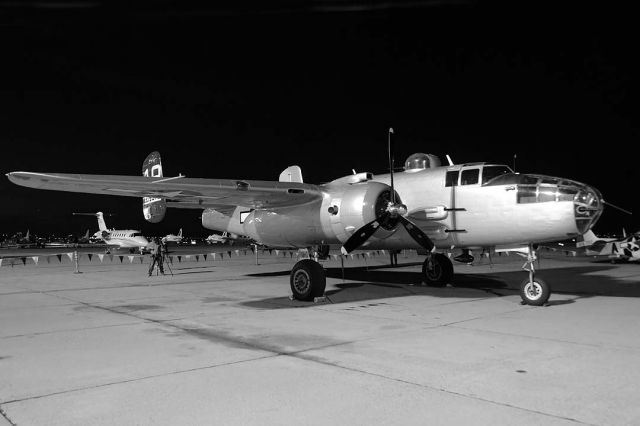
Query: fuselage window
526, 194
452, 178
470, 177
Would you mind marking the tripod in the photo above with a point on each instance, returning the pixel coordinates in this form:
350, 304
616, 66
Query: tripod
166, 262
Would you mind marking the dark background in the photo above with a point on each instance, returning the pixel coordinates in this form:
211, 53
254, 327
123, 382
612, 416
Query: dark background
245, 91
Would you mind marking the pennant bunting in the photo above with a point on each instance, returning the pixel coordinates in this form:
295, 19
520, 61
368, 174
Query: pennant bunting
59, 256
179, 259
0, 261
100, 256
35, 259
121, 257
130, 259
89, 255
70, 256
205, 257
24, 260
197, 258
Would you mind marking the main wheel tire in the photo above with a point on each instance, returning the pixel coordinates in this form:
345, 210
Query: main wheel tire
308, 280
439, 273
534, 293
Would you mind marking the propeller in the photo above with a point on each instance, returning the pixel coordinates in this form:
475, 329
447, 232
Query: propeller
393, 214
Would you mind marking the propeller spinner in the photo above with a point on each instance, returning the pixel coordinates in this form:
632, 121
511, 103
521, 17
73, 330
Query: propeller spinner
391, 212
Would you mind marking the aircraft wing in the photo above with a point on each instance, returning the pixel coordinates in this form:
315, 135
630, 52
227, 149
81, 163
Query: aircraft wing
180, 191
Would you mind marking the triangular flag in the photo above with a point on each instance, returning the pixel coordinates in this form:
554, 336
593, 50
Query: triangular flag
179, 259
70, 255
24, 260
59, 256
205, 257
48, 259
100, 256
188, 257
121, 257
213, 256
229, 253
197, 258
130, 259
140, 259
237, 252
0, 261
277, 252
221, 255
35, 259
89, 255
110, 257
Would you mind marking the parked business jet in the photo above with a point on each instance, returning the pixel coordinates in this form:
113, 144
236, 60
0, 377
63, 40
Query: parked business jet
427, 207
170, 238
118, 238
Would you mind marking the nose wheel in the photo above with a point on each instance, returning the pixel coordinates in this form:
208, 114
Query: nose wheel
533, 291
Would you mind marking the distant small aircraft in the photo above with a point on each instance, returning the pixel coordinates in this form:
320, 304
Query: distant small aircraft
170, 238
226, 237
131, 239
21, 241
626, 248
471, 206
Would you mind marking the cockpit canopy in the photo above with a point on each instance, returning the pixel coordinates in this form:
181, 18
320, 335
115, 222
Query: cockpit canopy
420, 161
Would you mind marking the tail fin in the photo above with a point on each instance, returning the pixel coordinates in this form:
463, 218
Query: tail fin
26, 237
587, 239
153, 208
86, 235
180, 233
101, 224
291, 174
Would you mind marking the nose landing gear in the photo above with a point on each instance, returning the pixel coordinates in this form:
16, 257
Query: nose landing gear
533, 291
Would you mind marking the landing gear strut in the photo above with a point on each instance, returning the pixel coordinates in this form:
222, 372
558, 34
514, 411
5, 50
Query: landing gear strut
533, 291
437, 270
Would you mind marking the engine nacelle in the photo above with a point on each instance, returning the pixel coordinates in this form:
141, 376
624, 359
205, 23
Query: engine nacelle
332, 220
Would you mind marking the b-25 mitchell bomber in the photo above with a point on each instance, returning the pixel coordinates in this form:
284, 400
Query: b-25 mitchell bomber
427, 207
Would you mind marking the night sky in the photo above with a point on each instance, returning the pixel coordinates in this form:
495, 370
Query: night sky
227, 92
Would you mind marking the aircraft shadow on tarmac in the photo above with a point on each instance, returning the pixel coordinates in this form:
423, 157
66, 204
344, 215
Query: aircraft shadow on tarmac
378, 282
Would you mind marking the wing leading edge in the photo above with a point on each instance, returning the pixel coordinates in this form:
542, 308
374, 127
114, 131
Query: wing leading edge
181, 192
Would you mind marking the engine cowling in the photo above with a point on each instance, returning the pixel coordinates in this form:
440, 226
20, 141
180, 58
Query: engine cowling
357, 205
332, 220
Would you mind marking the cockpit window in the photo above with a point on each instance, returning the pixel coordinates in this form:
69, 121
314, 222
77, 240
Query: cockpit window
452, 178
469, 176
491, 172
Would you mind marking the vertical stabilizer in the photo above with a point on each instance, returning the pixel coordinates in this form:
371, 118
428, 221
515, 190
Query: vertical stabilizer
587, 239
101, 224
153, 208
180, 233
291, 174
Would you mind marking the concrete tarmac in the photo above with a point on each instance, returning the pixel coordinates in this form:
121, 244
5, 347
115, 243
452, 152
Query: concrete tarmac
220, 342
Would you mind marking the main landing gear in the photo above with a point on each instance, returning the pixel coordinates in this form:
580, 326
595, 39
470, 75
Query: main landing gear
533, 291
437, 270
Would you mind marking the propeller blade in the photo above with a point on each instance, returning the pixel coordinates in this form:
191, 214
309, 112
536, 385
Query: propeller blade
616, 207
416, 233
361, 235
390, 146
